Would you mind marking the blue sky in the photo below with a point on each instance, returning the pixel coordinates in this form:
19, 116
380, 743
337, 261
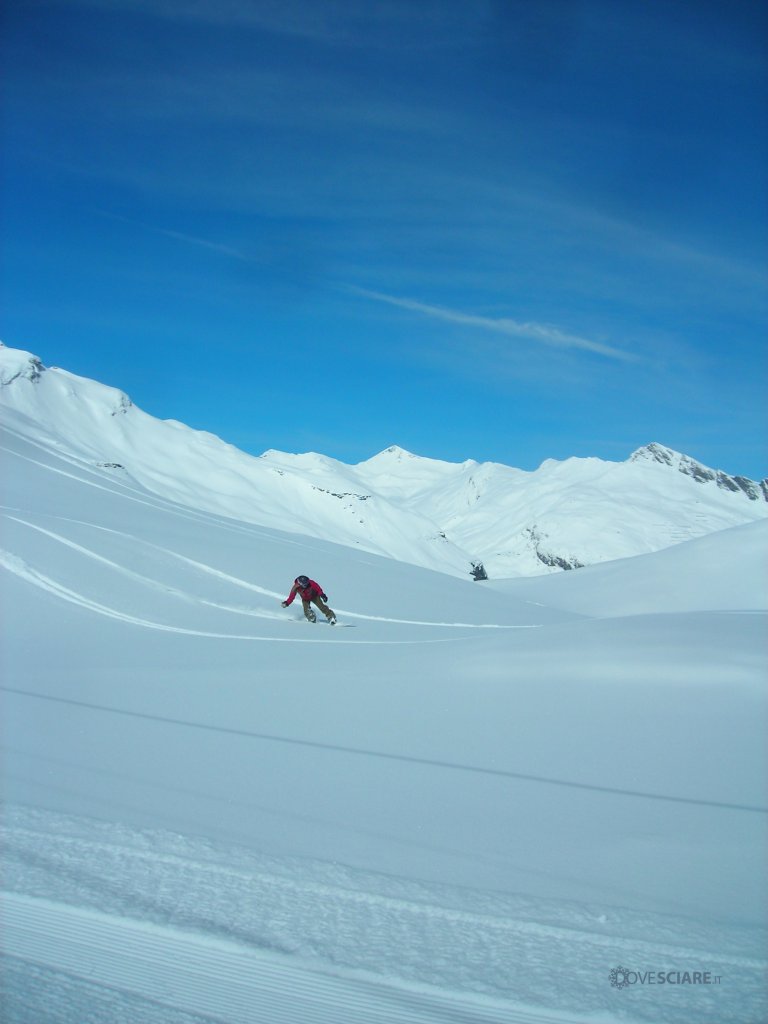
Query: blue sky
497, 230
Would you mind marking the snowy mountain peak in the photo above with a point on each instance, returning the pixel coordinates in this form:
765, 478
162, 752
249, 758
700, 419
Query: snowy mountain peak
659, 453
392, 454
399, 459
655, 452
57, 386
15, 363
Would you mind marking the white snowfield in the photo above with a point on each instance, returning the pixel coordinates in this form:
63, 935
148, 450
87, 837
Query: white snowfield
470, 802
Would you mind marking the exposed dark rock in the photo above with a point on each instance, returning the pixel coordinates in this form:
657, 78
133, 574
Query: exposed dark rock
548, 557
702, 474
343, 494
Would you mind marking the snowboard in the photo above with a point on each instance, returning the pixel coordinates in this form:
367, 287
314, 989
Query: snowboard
324, 622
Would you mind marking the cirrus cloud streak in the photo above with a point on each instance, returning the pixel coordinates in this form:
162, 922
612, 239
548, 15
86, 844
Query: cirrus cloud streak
545, 334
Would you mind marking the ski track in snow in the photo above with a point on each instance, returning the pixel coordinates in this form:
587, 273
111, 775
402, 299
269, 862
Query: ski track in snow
25, 571
215, 976
217, 930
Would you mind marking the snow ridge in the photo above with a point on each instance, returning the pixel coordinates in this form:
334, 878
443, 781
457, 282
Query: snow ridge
466, 519
702, 474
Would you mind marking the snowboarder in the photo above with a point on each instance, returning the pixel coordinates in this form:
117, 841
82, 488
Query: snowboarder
310, 593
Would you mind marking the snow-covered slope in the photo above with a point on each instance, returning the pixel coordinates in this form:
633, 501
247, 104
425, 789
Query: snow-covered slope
450, 517
568, 514
724, 571
466, 803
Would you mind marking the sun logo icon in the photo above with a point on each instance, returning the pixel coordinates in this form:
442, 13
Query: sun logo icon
619, 977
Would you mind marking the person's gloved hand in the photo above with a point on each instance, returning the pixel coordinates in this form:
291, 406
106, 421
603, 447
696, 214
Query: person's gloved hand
324, 597
284, 604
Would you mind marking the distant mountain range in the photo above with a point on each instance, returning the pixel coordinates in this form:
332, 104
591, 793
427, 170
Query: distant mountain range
466, 519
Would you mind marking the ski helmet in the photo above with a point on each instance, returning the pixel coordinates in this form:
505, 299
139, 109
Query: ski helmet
303, 581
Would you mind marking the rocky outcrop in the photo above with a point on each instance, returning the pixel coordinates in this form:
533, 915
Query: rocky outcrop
547, 557
752, 489
20, 364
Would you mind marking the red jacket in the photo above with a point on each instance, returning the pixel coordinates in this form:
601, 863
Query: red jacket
311, 590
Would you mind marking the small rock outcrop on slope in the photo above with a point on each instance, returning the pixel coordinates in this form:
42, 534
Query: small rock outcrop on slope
17, 363
548, 558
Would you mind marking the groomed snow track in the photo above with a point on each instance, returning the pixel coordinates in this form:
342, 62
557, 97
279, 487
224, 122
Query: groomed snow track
223, 980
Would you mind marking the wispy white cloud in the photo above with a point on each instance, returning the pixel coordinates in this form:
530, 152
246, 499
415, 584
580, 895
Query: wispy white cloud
544, 334
223, 250
180, 236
